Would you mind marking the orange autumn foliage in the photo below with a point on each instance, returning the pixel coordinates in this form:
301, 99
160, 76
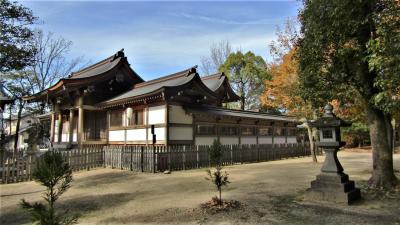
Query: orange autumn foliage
281, 91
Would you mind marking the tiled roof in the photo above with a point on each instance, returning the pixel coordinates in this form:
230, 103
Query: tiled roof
239, 113
214, 81
98, 68
147, 87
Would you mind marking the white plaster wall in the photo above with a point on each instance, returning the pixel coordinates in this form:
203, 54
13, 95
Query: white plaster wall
204, 140
157, 114
116, 135
265, 140
248, 140
136, 135
229, 140
159, 132
180, 133
75, 137
64, 137
178, 115
279, 140
292, 139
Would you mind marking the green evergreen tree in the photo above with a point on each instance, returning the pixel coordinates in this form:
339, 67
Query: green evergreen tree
219, 179
351, 48
16, 47
56, 175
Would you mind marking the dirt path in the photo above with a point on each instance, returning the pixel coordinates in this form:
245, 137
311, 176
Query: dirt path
271, 193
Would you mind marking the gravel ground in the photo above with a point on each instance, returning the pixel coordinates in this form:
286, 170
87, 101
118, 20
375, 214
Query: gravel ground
270, 193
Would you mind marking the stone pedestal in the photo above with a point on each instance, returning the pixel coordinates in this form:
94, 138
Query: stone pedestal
332, 185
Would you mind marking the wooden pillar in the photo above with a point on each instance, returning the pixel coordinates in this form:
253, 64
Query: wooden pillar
71, 126
53, 118
147, 125
59, 128
166, 124
80, 119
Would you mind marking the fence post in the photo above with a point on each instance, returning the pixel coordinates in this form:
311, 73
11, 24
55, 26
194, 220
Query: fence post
169, 156
241, 153
197, 156
154, 159
231, 147
184, 157
87, 159
141, 157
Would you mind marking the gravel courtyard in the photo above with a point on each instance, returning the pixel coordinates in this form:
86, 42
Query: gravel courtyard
270, 193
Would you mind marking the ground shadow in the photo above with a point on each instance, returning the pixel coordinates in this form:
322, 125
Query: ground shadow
76, 206
106, 179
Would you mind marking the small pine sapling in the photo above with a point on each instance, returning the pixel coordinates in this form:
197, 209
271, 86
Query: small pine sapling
56, 175
219, 179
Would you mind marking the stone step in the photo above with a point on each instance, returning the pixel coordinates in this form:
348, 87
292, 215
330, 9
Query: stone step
342, 187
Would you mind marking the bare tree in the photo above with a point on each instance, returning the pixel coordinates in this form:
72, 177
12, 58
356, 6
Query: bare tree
50, 63
219, 52
286, 39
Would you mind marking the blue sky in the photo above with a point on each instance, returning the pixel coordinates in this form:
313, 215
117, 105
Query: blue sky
162, 37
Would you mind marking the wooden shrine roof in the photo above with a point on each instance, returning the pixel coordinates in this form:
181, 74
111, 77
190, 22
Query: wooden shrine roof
238, 113
88, 76
219, 83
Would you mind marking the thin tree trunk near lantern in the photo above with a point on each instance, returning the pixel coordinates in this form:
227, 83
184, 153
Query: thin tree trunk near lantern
382, 154
242, 102
312, 144
220, 196
20, 107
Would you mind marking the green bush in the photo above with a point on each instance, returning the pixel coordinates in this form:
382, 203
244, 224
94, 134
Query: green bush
216, 153
356, 135
56, 175
219, 179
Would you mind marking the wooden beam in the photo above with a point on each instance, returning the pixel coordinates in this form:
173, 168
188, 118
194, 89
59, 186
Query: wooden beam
80, 120
71, 126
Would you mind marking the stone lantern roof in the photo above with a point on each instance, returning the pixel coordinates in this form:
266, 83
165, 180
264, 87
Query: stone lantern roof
329, 119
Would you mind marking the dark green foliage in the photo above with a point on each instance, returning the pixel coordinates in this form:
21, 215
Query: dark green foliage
219, 179
348, 49
16, 48
56, 175
246, 73
216, 153
357, 135
350, 46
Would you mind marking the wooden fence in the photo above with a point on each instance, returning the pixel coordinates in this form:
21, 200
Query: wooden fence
149, 158
20, 168
183, 157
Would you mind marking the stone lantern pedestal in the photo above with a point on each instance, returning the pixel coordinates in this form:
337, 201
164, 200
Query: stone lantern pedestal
332, 184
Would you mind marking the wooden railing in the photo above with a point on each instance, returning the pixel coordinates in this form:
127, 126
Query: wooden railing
149, 158
183, 157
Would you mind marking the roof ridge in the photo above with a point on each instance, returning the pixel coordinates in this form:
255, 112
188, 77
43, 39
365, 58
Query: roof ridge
182, 73
250, 112
120, 53
220, 74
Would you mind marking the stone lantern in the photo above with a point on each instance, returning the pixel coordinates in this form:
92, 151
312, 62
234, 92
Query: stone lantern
332, 184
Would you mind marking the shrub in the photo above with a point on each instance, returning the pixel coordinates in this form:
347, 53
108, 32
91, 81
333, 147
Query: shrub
56, 175
219, 179
216, 153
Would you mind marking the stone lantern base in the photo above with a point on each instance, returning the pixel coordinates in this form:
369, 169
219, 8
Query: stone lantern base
333, 187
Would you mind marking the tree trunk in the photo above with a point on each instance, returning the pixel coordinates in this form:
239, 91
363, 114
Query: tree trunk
382, 155
20, 107
242, 102
220, 197
312, 144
